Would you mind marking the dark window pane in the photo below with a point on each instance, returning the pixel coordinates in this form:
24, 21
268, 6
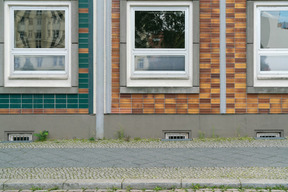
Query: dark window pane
274, 29
160, 63
32, 28
159, 29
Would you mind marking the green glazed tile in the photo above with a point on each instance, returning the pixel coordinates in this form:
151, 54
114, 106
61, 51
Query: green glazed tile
4, 96
4, 106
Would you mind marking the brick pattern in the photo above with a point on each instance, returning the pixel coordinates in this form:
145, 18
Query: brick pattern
56, 103
236, 56
238, 101
208, 101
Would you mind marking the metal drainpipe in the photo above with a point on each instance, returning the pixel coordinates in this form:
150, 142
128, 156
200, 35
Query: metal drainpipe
222, 56
100, 18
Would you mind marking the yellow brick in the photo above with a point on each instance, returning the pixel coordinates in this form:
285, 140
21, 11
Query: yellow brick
230, 110
240, 65
264, 105
240, 15
240, 85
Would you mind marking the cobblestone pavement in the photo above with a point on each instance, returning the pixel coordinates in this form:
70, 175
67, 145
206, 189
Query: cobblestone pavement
145, 159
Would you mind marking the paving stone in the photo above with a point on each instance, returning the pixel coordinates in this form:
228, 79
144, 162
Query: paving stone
89, 190
27, 190
41, 191
277, 190
179, 190
60, 190
102, 190
77, 190
11, 191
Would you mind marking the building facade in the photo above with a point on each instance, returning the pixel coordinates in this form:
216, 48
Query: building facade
82, 69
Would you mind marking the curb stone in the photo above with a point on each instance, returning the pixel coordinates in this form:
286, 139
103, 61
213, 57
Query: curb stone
151, 183
92, 183
28, 184
2, 181
262, 183
135, 184
186, 183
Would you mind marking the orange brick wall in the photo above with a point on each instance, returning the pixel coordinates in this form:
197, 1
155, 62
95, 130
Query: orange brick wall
238, 101
208, 100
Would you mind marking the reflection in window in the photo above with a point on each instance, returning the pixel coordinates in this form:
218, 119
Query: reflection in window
274, 29
39, 63
274, 63
160, 63
23, 19
159, 29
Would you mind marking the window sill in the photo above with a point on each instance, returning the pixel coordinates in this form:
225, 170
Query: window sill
37, 90
179, 90
265, 90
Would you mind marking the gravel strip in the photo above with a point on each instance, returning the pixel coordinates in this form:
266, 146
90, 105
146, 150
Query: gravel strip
145, 173
146, 143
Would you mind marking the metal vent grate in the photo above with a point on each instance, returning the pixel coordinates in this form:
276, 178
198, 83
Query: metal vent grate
176, 136
19, 137
268, 135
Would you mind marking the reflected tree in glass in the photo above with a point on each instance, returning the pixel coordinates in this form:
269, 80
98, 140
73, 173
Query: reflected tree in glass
159, 29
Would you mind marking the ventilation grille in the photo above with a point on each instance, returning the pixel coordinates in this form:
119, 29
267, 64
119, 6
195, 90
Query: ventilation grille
269, 134
19, 137
176, 135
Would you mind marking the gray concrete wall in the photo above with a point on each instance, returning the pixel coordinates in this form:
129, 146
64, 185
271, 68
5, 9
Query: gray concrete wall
152, 126
59, 126
145, 126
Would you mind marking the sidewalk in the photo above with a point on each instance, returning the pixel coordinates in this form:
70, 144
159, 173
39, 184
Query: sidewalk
144, 164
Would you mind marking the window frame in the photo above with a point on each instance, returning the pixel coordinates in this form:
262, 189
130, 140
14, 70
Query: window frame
267, 75
41, 78
132, 51
159, 82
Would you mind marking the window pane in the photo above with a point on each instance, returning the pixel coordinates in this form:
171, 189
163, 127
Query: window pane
274, 63
39, 29
159, 29
39, 63
274, 29
160, 63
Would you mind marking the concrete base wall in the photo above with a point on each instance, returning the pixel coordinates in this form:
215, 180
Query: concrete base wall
59, 126
145, 126
152, 126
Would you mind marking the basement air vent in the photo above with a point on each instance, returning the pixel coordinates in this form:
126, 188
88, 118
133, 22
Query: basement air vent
19, 137
176, 135
269, 134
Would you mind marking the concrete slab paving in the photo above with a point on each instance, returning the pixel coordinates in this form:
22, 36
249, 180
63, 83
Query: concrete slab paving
32, 183
151, 183
186, 183
92, 183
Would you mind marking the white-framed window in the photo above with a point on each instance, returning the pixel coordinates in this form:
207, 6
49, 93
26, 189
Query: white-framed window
34, 58
159, 44
270, 44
